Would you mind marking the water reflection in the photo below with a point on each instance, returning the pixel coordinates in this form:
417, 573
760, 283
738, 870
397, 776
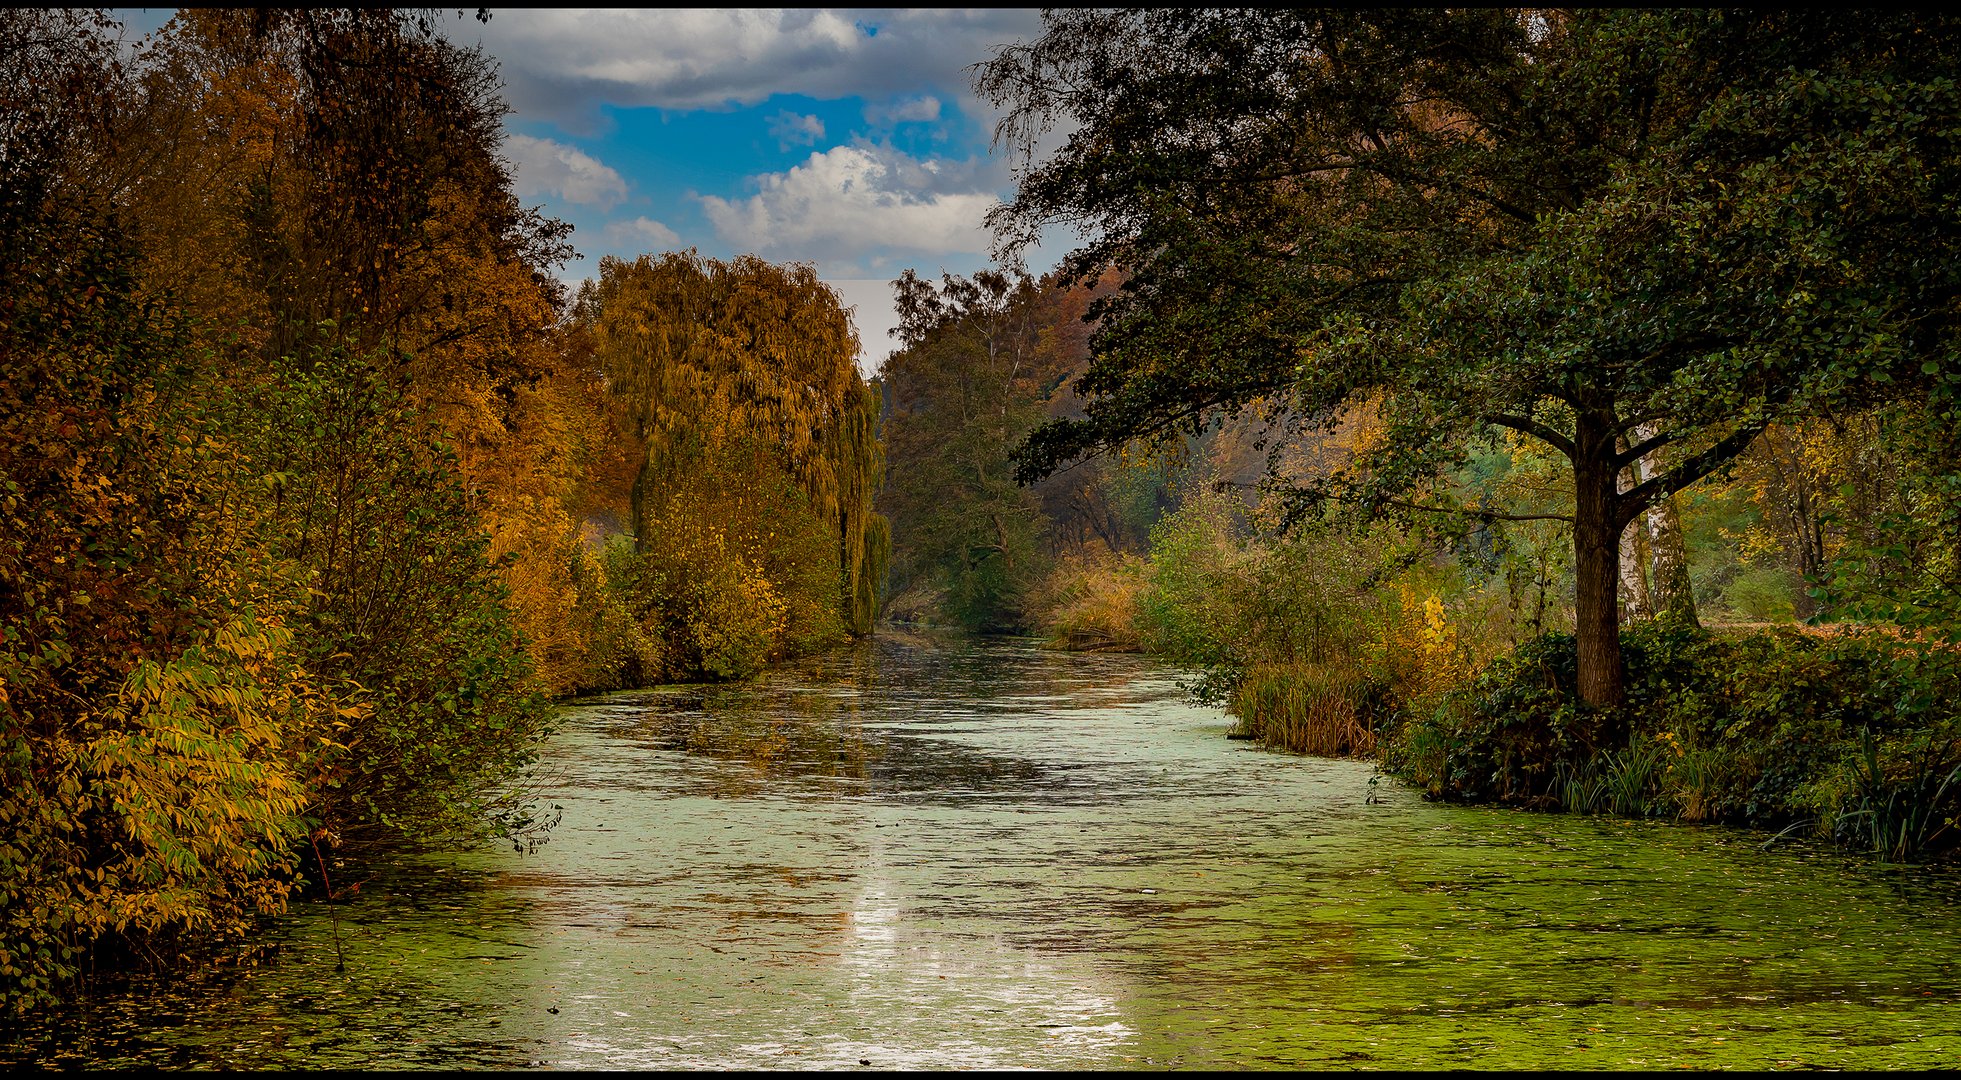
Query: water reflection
982, 854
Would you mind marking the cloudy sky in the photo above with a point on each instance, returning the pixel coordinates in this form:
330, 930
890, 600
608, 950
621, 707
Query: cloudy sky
846, 138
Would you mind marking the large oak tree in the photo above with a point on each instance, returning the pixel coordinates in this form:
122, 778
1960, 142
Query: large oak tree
1610, 231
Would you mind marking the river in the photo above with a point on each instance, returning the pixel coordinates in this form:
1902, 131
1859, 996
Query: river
957, 854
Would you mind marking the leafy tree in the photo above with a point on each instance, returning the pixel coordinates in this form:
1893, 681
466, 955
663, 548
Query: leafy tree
284, 167
154, 731
1576, 226
701, 354
964, 386
243, 594
744, 570
403, 608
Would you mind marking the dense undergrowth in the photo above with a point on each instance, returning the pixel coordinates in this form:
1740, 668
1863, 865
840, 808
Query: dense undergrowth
1342, 643
1851, 735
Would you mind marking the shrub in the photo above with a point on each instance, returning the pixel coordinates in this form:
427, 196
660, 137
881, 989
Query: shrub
1508, 734
618, 652
1852, 732
1184, 610
1763, 594
735, 569
403, 607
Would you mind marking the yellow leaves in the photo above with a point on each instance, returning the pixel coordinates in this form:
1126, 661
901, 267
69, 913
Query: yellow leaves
702, 349
194, 765
1425, 641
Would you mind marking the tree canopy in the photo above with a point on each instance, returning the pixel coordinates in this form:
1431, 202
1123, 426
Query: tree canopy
1608, 231
700, 353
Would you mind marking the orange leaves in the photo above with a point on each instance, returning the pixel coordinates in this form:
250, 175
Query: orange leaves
706, 358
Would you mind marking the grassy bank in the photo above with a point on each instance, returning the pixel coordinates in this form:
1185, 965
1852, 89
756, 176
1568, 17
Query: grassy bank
1356, 645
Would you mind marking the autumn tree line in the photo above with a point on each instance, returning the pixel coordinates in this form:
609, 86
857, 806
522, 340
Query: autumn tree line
1560, 406
316, 486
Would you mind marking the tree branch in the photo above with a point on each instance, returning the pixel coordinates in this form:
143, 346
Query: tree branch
1535, 429
1652, 490
1635, 453
1484, 515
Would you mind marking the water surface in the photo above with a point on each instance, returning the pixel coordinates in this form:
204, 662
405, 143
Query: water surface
981, 854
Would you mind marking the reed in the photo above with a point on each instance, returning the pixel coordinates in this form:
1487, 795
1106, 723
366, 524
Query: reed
1696, 781
1901, 812
1326, 710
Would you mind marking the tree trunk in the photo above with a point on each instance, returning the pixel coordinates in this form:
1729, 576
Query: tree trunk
1636, 601
1672, 593
1596, 563
637, 509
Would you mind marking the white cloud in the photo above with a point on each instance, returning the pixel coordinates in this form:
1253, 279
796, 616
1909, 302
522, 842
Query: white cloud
558, 65
790, 129
923, 109
644, 233
545, 167
850, 200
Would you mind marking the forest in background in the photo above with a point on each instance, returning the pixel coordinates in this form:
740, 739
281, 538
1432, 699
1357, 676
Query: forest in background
316, 487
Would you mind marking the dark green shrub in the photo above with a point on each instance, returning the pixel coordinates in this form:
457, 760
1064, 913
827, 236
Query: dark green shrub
1855, 732
1507, 735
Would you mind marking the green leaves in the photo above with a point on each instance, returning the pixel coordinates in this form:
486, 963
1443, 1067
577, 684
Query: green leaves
1696, 220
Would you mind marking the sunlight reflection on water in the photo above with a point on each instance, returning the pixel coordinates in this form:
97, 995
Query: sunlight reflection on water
987, 855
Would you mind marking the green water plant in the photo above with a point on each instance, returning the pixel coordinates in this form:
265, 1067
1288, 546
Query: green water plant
1897, 806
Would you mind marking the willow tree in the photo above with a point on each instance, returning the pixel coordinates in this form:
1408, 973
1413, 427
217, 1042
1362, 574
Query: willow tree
699, 353
1610, 231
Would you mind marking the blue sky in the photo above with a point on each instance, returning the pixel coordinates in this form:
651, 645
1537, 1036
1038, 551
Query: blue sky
846, 138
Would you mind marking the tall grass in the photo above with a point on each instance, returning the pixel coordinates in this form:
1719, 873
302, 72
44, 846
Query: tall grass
1629, 782
1089, 605
1324, 709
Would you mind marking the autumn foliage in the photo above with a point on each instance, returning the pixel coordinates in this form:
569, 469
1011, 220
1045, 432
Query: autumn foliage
307, 467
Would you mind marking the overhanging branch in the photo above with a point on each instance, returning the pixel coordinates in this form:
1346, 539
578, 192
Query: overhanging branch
1635, 453
1535, 429
1482, 515
1661, 485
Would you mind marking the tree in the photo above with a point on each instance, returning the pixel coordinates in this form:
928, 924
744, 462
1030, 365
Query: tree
154, 736
700, 353
964, 386
1568, 225
284, 167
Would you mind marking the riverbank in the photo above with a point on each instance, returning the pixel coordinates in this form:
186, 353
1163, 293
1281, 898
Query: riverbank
1847, 736
990, 854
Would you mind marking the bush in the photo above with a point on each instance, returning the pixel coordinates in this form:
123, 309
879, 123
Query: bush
1854, 733
1507, 735
1184, 611
155, 731
735, 570
617, 651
